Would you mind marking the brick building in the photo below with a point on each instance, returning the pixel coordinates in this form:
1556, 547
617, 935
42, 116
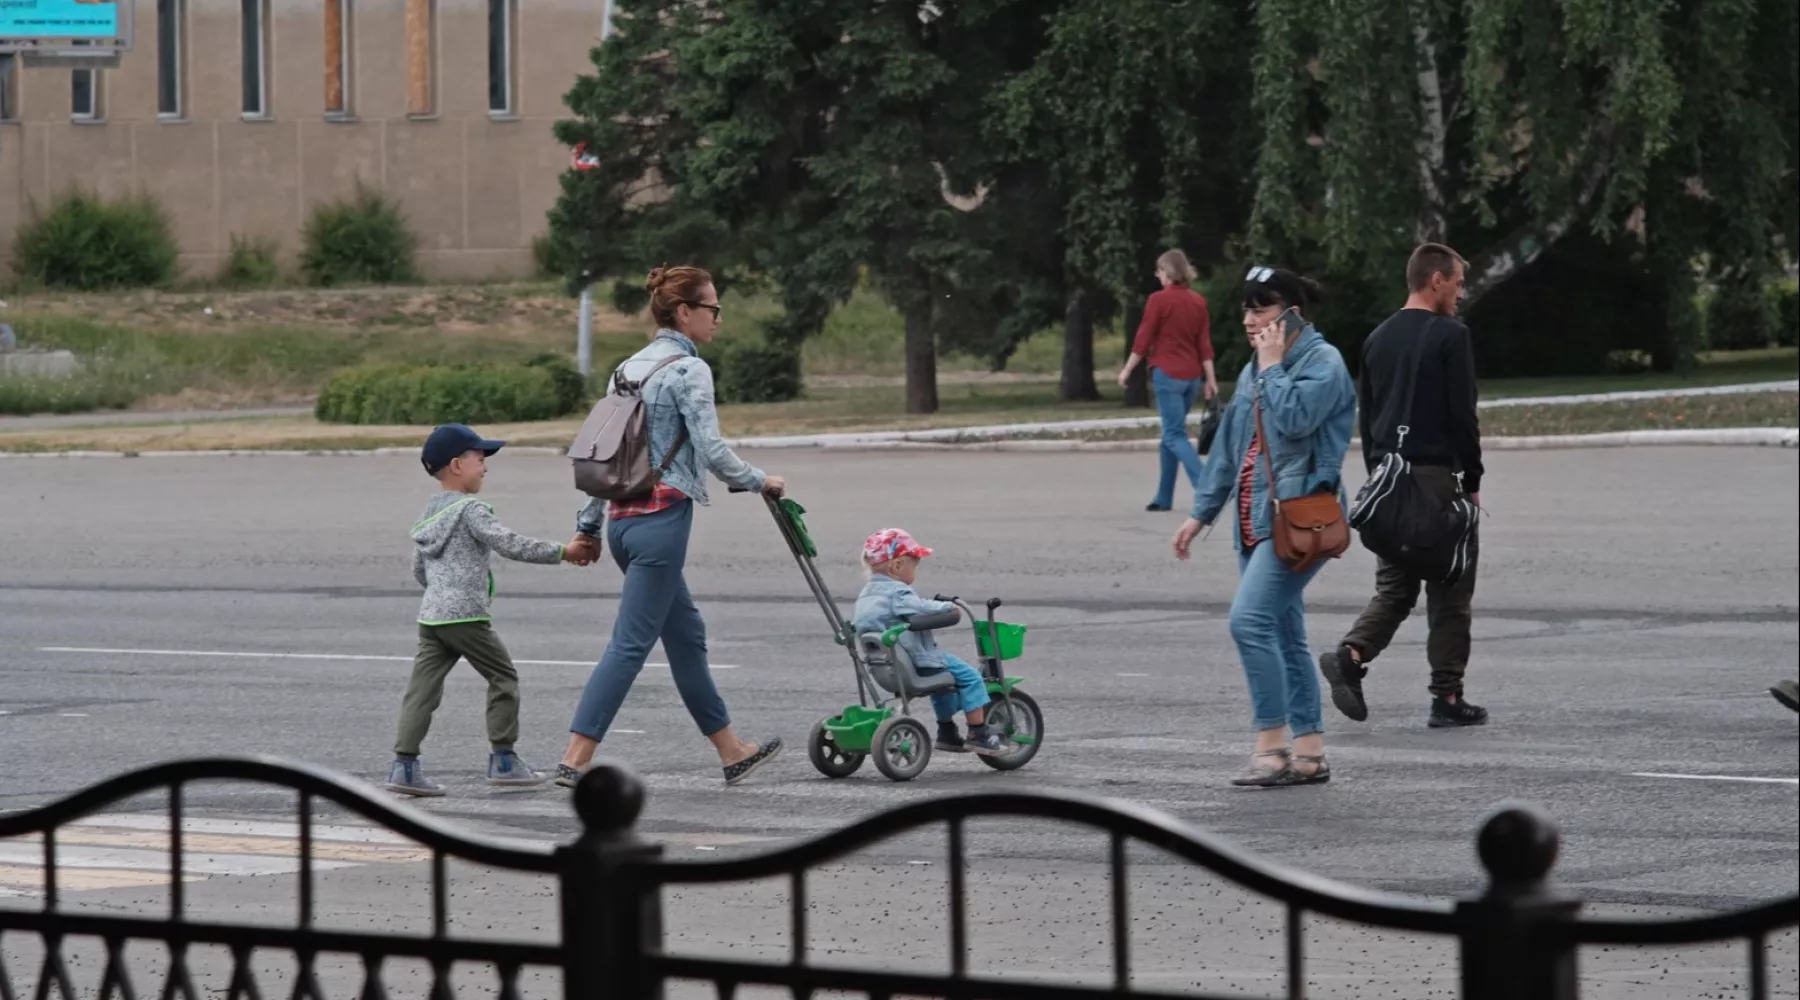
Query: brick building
240, 115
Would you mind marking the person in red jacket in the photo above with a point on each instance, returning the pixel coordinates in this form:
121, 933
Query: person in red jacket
1176, 338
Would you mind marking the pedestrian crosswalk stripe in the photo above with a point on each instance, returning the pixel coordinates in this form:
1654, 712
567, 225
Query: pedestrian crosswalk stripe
130, 850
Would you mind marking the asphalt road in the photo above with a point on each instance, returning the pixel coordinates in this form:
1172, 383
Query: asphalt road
1633, 608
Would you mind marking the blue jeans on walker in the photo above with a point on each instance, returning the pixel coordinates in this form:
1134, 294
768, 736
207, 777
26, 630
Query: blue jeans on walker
970, 694
1174, 398
654, 603
1268, 623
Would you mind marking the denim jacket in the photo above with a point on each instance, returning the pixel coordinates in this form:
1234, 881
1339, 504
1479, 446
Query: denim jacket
1309, 408
681, 393
886, 602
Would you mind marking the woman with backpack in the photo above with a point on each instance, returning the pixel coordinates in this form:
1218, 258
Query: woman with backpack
1175, 337
649, 534
1277, 464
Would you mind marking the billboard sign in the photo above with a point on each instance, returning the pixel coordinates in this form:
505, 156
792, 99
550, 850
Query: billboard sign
27, 25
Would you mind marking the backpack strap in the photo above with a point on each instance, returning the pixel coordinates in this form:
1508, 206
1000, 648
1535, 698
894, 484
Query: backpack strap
681, 436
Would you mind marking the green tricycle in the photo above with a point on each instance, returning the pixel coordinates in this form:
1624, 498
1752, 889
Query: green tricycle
880, 724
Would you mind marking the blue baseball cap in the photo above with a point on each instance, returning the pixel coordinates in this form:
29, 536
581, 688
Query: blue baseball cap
449, 441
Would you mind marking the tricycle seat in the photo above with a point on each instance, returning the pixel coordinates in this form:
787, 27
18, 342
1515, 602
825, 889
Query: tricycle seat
893, 669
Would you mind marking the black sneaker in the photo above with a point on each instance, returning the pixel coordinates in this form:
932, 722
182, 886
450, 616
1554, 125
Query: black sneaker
1345, 676
1445, 715
988, 743
949, 738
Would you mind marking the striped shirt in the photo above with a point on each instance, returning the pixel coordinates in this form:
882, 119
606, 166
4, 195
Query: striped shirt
1246, 484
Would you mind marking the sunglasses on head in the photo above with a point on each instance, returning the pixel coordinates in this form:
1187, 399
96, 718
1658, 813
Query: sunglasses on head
1260, 274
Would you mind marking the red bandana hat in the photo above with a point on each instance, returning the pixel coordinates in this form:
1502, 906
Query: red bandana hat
891, 543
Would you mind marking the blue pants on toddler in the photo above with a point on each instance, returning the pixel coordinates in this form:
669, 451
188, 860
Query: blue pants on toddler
970, 694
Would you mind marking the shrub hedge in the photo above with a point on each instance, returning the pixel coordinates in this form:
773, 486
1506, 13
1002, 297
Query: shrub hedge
543, 389
88, 244
363, 239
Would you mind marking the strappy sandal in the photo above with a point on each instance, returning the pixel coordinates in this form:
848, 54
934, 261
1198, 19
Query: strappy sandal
1260, 775
1320, 774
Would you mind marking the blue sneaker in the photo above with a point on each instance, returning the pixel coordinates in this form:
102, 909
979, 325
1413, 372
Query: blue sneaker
987, 743
505, 768
407, 776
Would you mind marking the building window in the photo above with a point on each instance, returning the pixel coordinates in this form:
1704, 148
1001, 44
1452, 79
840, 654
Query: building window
502, 17
421, 60
255, 29
338, 15
9, 76
84, 94
169, 42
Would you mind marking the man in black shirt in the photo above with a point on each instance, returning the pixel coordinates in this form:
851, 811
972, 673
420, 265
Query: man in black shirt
1441, 437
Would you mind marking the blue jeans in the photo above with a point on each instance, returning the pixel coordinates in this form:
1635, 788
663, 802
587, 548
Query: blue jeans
1268, 623
970, 694
653, 604
1174, 398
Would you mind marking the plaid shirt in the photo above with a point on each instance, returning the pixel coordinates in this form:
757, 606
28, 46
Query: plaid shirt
661, 498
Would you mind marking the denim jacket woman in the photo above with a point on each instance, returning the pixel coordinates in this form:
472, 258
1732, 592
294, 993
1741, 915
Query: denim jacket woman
680, 394
1309, 408
1308, 405
648, 536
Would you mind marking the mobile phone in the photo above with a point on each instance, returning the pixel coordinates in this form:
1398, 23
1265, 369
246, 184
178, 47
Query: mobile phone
1292, 324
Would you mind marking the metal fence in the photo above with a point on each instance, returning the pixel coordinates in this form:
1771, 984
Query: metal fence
1517, 940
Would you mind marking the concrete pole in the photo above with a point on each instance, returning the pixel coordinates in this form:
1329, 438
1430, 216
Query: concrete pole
584, 343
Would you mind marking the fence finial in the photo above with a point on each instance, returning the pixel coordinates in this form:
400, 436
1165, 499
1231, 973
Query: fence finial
1518, 847
608, 798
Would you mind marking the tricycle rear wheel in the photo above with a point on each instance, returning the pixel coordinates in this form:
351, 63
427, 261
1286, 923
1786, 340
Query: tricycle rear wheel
1015, 715
832, 760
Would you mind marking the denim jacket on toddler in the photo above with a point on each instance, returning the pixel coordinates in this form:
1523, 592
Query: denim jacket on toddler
886, 602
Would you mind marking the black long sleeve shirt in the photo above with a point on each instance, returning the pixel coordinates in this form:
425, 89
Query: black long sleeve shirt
1443, 428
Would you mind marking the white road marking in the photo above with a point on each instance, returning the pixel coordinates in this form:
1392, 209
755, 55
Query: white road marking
243, 655
244, 828
1719, 777
1134, 675
158, 861
74, 715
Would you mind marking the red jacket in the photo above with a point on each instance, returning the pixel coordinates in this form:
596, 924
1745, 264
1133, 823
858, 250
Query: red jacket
1176, 333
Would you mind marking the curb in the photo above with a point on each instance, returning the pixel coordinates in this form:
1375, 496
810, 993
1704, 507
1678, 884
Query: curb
1726, 437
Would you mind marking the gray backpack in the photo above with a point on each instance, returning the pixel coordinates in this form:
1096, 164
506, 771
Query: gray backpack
611, 453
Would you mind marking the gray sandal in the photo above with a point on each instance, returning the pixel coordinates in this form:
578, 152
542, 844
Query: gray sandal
1320, 774
1260, 775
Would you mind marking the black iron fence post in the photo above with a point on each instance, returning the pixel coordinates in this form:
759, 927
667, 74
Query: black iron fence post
610, 923
1504, 957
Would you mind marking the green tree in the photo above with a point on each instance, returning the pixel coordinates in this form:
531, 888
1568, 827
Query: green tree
1136, 110
806, 142
1664, 130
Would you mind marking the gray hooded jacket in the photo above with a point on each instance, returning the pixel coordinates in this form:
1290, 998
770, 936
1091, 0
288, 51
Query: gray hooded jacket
451, 543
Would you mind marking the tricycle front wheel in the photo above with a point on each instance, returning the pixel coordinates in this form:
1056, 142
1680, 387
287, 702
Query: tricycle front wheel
1017, 718
832, 760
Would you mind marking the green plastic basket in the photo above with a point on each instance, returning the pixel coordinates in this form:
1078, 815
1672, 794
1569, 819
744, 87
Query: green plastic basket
1012, 640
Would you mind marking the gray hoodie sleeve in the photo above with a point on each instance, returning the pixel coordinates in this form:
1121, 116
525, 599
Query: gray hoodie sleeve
510, 544
419, 566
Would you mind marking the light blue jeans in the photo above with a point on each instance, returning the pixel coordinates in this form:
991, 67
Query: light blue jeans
654, 604
1268, 623
970, 694
1174, 399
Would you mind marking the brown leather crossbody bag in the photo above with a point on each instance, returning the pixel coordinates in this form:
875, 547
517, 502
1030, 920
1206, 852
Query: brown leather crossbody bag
1309, 528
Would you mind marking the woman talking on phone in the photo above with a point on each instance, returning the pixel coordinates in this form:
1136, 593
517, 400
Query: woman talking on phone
1282, 437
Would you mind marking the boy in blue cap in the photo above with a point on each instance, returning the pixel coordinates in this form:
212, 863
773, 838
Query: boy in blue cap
451, 546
